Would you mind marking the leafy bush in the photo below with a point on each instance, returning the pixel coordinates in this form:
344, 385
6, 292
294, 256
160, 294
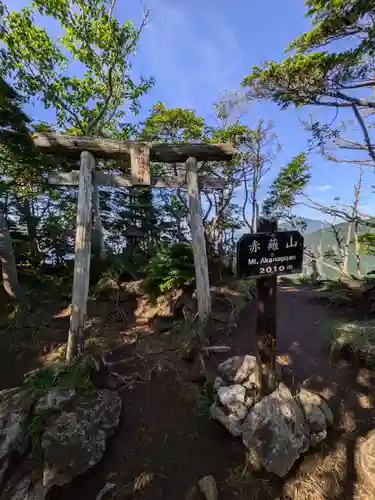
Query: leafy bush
356, 336
171, 268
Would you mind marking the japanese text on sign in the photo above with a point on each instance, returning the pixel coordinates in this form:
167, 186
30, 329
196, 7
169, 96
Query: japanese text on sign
270, 253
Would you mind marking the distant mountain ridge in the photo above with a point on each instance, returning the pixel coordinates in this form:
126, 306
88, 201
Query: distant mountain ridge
312, 225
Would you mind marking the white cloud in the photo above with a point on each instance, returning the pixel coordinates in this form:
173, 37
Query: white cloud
321, 188
191, 55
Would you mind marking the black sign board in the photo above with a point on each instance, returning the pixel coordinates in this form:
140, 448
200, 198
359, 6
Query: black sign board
262, 254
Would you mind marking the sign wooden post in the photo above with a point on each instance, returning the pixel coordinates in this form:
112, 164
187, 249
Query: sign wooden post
199, 242
263, 256
266, 320
81, 275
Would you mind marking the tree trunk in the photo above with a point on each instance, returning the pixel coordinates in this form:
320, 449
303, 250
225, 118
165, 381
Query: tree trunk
345, 262
98, 240
11, 284
245, 202
319, 263
254, 204
31, 223
357, 250
357, 193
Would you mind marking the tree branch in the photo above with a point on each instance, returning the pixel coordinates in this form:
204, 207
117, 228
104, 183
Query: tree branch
365, 132
96, 120
356, 100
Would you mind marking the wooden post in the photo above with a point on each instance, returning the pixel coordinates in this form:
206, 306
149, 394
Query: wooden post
199, 242
82, 258
140, 165
266, 322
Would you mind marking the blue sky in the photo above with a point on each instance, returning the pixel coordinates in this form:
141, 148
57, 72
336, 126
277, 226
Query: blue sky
196, 50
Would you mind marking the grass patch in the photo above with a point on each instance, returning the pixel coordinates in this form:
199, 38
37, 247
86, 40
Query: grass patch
285, 280
73, 376
205, 399
357, 337
34, 429
248, 481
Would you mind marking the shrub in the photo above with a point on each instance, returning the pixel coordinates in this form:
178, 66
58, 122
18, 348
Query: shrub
356, 336
171, 268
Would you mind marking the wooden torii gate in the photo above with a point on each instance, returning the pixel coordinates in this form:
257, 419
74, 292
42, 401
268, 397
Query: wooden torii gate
139, 155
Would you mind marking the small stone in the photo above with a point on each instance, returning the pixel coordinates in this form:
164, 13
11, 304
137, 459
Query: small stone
310, 403
317, 437
55, 399
238, 368
233, 398
231, 422
314, 405
208, 487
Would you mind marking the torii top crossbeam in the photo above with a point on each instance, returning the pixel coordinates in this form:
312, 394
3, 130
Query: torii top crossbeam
137, 154
108, 148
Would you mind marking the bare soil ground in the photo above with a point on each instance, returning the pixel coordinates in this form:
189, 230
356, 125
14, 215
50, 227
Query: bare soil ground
166, 442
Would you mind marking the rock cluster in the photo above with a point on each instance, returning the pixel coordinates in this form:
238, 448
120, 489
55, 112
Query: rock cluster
278, 428
54, 434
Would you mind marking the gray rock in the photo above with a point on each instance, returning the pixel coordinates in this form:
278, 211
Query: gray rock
24, 489
208, 487
76, 440
276, 431
230, 421
238, 368
219, 382
253, 381
55, 399
317, 411
310, 403
233, 398
15, 406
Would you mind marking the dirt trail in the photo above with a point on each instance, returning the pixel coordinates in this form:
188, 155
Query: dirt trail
163, 432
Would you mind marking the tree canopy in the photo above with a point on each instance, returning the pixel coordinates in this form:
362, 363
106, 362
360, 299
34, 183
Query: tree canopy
316, 73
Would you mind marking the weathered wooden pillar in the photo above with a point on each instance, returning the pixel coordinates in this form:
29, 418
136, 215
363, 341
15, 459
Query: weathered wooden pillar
266, 320
199, 242
81, 276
